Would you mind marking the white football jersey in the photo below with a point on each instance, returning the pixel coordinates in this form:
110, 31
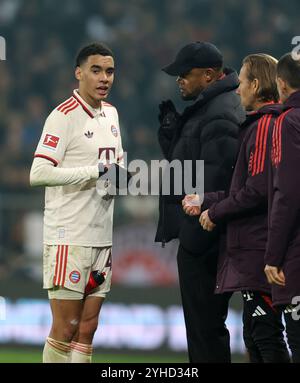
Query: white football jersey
76, 135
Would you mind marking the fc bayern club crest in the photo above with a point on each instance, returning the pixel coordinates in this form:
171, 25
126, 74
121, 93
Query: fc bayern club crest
74, 276
114, 131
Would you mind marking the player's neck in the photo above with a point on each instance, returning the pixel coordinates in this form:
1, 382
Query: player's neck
259, 104
89, 100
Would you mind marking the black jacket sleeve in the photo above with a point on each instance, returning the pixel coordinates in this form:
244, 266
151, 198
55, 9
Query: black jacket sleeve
211, 198
218, 151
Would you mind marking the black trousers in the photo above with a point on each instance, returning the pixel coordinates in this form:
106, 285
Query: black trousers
292, 321
204, 312
263, 329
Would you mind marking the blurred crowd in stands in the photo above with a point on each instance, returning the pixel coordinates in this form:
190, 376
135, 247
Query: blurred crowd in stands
43, 37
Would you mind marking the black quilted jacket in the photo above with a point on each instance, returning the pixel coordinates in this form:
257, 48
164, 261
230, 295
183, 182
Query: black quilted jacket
207, 130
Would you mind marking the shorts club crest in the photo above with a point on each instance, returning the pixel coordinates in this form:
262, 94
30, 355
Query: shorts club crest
74, 276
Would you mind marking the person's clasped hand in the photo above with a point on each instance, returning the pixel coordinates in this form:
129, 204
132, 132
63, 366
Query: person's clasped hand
206, 222
191, 204
275, 275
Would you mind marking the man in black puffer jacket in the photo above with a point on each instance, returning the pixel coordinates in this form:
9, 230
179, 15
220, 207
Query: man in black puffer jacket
207, 130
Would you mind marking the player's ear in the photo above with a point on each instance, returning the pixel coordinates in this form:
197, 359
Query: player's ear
255, 85
209, 75
78, 73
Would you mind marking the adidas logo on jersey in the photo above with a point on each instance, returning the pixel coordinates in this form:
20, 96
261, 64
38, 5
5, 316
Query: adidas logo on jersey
89, 134
290, 309
259, 312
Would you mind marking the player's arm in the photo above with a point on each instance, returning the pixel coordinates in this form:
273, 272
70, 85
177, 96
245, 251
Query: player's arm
50, 152
286, 201
45, 173
253, 195
213, 197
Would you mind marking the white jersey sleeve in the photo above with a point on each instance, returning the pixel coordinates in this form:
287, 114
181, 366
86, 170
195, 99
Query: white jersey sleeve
54, 138
43, 173
50, 152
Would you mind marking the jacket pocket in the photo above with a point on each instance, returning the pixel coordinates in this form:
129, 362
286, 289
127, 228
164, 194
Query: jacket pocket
248, 233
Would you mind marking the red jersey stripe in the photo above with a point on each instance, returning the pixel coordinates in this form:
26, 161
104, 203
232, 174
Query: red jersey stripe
60, 262
70, 109
259, 128
62, 257
279, 149
65, 103
277, 140
46, 158
274, 141
262, 164
261, 140
58, 346
65, 265
83, 350
56, 266
68, 106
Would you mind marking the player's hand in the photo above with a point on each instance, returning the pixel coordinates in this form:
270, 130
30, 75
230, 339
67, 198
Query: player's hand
117, 175
205, 221
275, 275
167, 114
191, 204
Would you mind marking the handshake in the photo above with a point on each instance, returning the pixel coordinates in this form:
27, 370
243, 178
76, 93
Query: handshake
192, 206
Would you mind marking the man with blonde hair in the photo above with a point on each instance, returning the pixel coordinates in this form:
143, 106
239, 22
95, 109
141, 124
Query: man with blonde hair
244, 213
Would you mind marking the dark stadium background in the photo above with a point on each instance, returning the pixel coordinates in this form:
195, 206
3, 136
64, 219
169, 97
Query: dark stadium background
142, 319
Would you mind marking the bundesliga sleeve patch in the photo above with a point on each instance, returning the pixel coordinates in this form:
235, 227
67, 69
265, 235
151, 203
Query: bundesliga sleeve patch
51, 142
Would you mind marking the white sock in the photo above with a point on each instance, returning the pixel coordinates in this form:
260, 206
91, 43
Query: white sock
81, 353
56, 351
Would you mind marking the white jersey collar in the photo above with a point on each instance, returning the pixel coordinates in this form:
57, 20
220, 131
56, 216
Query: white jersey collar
92, 112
